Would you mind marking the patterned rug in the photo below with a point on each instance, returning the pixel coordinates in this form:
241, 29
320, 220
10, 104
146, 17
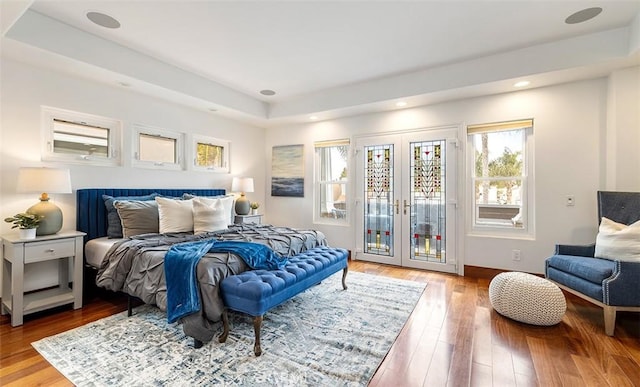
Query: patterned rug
322, 337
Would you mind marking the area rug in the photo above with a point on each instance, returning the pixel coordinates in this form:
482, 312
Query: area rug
324, 336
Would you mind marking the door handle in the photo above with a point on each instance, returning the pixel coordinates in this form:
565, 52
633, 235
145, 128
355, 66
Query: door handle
405, 207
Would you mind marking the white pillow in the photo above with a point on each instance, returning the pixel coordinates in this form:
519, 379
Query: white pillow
227, 202
209, 215
175, 215
618, 241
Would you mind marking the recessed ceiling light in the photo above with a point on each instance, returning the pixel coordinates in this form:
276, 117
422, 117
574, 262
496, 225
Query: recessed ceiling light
267, 92
401, 104
213, 110
103, 20
521, 84
313, 117
124, 84
583, 15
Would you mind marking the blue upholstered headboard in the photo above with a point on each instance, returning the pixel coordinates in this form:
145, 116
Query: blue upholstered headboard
91, 216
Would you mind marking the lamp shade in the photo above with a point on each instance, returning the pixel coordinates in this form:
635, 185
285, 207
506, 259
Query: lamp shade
45, 180
49, 180
242, 184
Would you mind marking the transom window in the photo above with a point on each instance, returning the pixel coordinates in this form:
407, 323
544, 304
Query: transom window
80, 138
210, 154
157, 148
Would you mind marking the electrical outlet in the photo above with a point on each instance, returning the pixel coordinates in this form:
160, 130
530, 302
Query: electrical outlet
516, 255
571, 200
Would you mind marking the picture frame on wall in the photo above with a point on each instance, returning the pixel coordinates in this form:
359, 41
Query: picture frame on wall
287, 171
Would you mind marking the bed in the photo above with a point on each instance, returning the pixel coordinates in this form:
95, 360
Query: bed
133, 263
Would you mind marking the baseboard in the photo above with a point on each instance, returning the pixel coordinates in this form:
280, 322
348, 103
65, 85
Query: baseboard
486, 272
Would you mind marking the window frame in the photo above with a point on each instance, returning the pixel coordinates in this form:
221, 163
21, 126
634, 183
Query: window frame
141, 129
481, 228
195, 139
320, 185
49, 116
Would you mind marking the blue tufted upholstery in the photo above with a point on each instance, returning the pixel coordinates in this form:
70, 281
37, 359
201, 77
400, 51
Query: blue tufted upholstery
611, 284
254, 292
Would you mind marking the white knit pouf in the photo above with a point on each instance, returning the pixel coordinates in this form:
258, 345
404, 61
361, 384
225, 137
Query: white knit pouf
527, 298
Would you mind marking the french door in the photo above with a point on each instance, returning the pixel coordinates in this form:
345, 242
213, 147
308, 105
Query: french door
406, 199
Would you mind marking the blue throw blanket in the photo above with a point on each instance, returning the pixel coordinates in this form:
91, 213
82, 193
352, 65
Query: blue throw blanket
180, 270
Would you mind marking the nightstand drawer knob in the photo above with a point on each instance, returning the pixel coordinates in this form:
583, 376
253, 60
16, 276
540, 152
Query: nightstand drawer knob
50, 251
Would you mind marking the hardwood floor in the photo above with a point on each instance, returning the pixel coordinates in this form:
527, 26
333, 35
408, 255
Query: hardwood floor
453, 338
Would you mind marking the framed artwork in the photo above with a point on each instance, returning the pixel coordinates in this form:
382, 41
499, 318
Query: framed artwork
287, 171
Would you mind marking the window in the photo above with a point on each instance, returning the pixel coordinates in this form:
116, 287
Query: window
331, 181
210, 154
499, 174
157, 148
78, 137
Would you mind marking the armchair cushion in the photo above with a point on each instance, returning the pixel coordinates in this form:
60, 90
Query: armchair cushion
591, 269
576, 283
578, 250
618, 241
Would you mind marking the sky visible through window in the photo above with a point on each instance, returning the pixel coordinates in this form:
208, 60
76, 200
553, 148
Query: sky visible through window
511, 139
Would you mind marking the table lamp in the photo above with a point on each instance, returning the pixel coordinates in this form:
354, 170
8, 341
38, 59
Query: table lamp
45, 181
242, 185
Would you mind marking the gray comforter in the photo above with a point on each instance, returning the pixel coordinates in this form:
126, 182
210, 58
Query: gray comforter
135, 266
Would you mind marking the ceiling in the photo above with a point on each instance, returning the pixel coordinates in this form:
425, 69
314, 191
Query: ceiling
322, 58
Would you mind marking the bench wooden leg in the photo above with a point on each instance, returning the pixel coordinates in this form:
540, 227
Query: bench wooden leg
609, 320
344, 277
197, 343
225, 327
129, 305
257, 322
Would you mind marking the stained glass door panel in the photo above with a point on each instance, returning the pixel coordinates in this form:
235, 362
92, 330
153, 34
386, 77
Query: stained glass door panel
378, 200
428, 201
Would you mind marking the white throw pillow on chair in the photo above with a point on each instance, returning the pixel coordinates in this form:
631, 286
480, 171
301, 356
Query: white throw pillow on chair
618, 241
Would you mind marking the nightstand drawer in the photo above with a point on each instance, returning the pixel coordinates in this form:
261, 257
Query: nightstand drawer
44, 251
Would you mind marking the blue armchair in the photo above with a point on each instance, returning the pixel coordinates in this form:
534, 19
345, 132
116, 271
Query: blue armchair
611, 284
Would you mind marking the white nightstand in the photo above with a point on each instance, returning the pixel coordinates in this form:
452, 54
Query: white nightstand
246, 219
67, 247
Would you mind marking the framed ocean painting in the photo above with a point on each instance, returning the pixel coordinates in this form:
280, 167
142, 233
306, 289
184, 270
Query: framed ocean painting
287, 171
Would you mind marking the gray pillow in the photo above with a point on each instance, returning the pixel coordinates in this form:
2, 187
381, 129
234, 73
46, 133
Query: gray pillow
138, 217
114, 224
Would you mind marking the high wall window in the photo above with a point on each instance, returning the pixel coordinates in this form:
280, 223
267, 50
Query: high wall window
157, 148
500, 178
210, 154
80, 138
331, 181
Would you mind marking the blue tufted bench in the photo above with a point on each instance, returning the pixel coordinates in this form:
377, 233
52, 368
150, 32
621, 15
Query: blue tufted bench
254, 292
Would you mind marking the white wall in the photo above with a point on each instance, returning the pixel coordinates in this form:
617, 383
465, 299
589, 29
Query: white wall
623, 130
570, 142
25, 88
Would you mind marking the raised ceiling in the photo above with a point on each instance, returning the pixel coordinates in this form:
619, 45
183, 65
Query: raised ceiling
323, 58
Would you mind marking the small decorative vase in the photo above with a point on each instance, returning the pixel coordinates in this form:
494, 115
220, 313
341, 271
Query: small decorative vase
254, 211
27, 233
